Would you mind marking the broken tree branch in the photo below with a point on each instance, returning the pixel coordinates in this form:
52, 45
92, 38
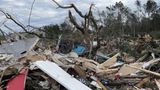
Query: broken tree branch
14, 31
144, 70
8, 16
29, 18
75, 23
70, 6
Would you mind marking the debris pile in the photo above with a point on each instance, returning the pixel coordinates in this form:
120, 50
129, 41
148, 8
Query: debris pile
27, 66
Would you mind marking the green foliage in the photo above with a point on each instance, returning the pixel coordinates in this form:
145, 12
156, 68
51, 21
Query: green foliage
119, 20
52, 31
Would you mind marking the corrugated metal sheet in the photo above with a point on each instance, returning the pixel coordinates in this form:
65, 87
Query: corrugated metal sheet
18, 47
58, 74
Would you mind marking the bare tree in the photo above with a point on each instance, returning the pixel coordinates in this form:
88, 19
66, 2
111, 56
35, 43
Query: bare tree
88, 20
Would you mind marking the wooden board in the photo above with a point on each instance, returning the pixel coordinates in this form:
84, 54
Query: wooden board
109, 62
124, 70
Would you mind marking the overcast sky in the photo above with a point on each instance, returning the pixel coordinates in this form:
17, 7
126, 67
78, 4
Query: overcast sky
45, 12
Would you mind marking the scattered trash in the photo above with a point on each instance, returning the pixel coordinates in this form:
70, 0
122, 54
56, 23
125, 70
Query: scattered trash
32, 67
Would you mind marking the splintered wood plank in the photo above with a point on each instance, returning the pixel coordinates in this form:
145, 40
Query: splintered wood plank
109, 62
125, 70
144, 70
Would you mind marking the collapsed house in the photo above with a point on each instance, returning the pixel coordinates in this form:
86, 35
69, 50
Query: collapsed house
24, 67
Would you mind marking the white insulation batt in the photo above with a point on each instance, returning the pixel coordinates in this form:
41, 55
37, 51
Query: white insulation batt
61, 76
19, 47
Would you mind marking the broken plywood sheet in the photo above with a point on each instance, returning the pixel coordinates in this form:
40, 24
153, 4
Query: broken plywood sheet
19, 47
54, 71
124, 70
109, 62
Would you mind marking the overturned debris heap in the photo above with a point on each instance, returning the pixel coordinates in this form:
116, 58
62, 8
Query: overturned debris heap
26, 66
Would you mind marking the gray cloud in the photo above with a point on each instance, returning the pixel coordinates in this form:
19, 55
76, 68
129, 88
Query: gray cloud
45, 11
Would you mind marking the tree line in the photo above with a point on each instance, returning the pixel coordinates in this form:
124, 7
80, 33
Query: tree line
116, 20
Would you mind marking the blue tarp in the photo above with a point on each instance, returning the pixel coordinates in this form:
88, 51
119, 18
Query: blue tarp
79, 49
